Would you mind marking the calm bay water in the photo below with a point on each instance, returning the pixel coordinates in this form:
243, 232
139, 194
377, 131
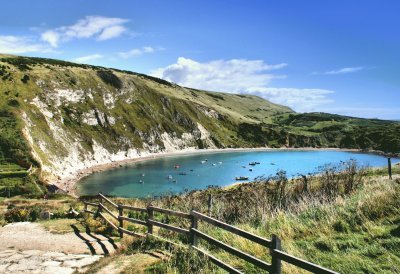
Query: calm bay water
160, 176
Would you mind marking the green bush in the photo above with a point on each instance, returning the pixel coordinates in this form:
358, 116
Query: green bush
109, 78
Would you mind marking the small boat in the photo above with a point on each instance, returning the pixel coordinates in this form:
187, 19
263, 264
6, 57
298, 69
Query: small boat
177, 166
182, 173
192, 170
244, 166
203, 162
252, 164
272, 164
141, 182
214, 164
143, 174
250, 169
220, 163
169, 177
174, 181
241, 178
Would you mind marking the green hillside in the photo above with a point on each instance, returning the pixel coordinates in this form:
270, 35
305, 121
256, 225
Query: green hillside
59, 117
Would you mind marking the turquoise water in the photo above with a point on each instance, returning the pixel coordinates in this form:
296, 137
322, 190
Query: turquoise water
220, 169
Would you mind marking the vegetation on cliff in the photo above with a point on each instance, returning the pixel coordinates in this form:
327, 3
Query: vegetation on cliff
57, 116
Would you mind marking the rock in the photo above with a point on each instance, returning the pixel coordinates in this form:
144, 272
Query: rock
82, 262
51, 263
58, 270
45, 215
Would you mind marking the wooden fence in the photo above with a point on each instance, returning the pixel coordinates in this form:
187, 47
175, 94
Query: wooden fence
274, 245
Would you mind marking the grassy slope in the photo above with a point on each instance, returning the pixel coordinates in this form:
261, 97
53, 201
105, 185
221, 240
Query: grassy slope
357, 232
354, 233
144, 113
149, 105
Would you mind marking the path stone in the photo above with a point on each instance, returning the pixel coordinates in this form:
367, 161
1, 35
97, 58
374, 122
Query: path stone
36, 261
35, 250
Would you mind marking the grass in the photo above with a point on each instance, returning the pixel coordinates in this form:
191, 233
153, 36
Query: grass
144, 108
353, 230
349, 231
61, 226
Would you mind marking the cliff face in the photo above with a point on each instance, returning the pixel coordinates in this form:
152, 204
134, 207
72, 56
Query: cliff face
75, 116
60, 117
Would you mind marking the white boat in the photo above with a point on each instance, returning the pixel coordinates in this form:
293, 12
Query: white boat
241, 178
203, 162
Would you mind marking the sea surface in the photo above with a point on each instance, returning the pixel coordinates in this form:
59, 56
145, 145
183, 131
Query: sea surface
175, 174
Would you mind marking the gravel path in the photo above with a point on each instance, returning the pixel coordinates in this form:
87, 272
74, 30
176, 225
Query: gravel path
28, 248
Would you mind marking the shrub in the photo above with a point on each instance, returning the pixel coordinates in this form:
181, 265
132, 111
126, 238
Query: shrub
25, 79
109, 78
16, 214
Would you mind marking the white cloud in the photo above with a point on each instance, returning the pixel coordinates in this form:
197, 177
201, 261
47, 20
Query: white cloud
242, 76
234, 75
51, 37
344, 70
21, 44
139, 51
299, 99
85, 59
101, 28
111, 32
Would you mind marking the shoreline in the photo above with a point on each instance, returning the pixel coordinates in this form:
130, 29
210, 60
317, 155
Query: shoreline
69, 184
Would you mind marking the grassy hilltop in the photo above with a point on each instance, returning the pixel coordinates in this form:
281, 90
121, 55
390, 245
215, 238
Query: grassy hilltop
57, 117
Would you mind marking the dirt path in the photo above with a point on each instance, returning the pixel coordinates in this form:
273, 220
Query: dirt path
28, 248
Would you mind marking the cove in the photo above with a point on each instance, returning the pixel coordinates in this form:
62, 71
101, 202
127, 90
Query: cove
174, 174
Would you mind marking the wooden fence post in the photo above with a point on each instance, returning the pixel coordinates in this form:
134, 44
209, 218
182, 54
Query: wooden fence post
193, 236
100, 202
276, 264
120, 220
390, 168
150, 215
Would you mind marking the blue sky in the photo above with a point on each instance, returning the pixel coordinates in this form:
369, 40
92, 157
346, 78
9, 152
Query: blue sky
334, 55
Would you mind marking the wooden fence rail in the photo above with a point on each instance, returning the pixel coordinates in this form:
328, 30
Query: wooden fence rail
273, 245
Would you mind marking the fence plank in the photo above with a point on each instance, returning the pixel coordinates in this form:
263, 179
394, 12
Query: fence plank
132, 220
89, 203
169, 227
109, 212
171, 212
134, 208
276, 253
108, 200
232, 229
108, 221
302, 263
234, 251
88, 211
218, 262
125, 231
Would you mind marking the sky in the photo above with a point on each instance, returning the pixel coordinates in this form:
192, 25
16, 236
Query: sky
337, 56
